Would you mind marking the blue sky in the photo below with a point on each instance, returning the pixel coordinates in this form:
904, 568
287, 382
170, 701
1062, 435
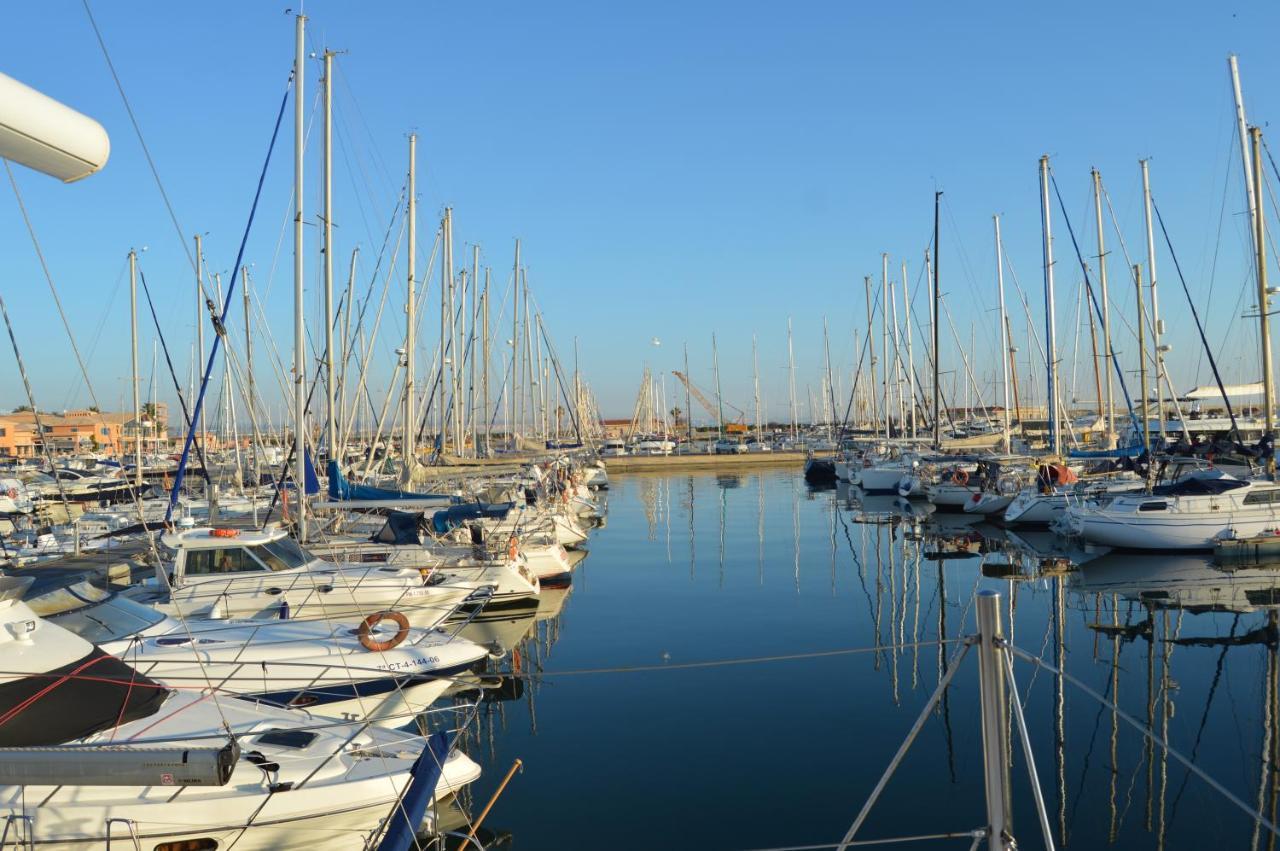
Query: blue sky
673, 169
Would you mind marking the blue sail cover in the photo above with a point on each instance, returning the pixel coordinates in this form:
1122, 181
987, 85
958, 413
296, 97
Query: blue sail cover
453, 517
341, 490
311, 482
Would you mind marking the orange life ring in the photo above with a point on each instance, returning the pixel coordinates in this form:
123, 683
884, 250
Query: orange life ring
960, 477
513, 548
224, 533
13, 493
367, 625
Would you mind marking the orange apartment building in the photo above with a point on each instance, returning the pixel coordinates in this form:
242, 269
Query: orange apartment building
76, 431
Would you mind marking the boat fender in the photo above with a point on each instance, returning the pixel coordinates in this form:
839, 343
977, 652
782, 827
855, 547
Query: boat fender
223, 533
367, 625
513, 548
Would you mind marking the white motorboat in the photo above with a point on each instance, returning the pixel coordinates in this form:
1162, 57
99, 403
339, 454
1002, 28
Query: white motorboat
229, 573
372, 671
284, 780
1192, 513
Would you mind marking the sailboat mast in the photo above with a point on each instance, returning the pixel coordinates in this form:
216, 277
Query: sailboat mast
884, 338
133, 338
1051, 366
299, 327
1106, 311
911, 358
934, 322
515, 347
1264, 297
472, 345
755, 370
715, 367
1155, 298
411, 302
331, 410
688, 403
200, 314
484, 370
1004, 339
1142, 367
1245, 156
791, 379
871, 349
446, 296
249, 388
897, 357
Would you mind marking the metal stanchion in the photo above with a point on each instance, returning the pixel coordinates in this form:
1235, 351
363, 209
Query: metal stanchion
995, 722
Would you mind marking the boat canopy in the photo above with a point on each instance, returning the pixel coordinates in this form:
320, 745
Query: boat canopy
1199, 484
401, 528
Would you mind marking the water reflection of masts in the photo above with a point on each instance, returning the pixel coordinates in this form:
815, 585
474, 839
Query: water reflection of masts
831, 517
795, 534
1269, 781
893, 617
760, 528
1116, 644
915, 622
723, 505
666, 512
649, 501
879, 549
693, 560
1166, 711
1059, 726
942, 665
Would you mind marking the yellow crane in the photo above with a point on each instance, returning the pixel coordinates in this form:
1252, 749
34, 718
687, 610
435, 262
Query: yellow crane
738, 426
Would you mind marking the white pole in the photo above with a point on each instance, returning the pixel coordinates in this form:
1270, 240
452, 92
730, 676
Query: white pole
1106, 311
1243, 129
884, 338
911, 359
133, 336
299, 326
200, 319
995, 721
410, 344
1051, 337
1155, 299
1004, 334
791, 379
331, 421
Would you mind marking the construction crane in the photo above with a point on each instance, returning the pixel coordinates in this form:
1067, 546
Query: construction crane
738, 426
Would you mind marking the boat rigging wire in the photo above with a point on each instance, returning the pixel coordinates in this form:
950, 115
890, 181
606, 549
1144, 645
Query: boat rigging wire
186, 416
1195, 314
237, 269
137, 129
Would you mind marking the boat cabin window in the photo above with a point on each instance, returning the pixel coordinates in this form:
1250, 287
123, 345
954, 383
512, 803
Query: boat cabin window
1153, 506
1263, 497
205, 562
282, 554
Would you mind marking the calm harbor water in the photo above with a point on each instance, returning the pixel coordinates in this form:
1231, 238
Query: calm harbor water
783, 752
